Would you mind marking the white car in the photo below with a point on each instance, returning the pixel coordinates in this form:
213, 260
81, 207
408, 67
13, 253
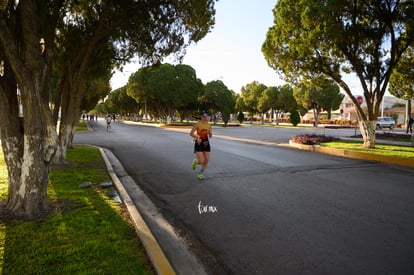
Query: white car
385, 122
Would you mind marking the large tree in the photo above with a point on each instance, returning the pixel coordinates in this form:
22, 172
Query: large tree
34, 33
104, 34
319, 94
218, 98
250, 96
268, 101
165, 88
72, 94
286, 102
338, 37
119, 102
189, 88
402, 80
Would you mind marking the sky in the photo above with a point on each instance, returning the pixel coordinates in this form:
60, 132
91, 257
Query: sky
231, 52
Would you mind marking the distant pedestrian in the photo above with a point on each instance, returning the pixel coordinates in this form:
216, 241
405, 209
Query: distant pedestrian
108, 120
410, 125
201, 132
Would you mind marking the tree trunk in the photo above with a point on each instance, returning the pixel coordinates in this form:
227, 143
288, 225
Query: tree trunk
407, 112
11, 133
28, 146
277, 117
67, 129
27, 197
316, 117
64, 132
367, 129
70, 113
27, 155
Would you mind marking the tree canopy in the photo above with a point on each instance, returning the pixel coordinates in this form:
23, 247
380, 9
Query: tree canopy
268, 100
119, 102
165, 88
68, 38
319, 94
250, 96
219, 99
334, 38
402, 79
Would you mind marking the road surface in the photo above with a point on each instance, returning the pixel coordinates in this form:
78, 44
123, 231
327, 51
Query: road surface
272, 209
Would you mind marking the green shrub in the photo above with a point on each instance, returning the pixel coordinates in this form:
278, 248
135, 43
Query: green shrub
294, 118
240, 117
225, 115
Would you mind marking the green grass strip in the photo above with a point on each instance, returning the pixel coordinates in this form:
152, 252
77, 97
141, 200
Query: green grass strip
380, 149
88, 234
82, 127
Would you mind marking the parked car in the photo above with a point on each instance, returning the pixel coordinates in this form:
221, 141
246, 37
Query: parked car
385, 122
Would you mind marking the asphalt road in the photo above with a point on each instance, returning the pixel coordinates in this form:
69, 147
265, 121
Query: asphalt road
272, 209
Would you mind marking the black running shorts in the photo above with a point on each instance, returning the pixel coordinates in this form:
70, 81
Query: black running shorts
204, 146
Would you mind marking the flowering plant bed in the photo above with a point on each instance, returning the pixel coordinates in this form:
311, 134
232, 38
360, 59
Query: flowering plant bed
312, 139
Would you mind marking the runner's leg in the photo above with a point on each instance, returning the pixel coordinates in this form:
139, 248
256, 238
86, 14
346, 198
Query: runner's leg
206, 157
200, 158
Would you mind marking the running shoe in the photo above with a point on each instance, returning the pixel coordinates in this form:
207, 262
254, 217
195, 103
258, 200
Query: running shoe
194, 164
201, 176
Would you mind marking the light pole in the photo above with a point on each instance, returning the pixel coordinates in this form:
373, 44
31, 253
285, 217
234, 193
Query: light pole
360, 100
42, 45
19, 102
145, 110
2, 68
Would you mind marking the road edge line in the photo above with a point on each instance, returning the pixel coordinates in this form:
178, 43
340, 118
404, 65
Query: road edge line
155, 253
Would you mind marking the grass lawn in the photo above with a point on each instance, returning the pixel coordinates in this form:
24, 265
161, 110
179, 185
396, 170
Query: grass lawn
82, 127
89, 232
380, 149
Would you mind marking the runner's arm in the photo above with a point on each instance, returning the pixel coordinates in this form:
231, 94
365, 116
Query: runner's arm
193, 132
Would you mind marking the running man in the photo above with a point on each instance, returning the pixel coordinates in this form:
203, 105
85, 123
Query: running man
201, 132
108, 120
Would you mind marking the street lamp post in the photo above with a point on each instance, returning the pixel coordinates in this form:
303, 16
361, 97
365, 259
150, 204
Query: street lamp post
2, 68
145, 110
19, 102
42, 45
360, 100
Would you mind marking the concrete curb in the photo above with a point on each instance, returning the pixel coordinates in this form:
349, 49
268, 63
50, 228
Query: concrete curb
154, 251
325, 150
353, 154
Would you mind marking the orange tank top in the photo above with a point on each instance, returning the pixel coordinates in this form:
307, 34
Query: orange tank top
203, 130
